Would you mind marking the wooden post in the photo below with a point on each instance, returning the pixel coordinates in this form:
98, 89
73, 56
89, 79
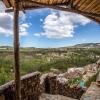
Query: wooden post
16, 51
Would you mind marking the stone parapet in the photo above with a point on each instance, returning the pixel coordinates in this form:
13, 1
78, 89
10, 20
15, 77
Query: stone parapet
30, 88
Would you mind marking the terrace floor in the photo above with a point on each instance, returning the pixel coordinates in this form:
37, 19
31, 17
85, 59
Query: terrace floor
54, 97
93, 93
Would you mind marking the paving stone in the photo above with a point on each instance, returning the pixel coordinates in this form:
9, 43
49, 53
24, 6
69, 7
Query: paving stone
93, 93
54, 97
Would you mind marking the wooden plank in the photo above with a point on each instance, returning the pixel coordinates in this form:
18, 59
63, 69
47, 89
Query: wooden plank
78, 5
76, 1
59, 8
6, 2
72, 4
90, 6
16, 51
96, 7
31, 4
86, 4
86, 14
64, 9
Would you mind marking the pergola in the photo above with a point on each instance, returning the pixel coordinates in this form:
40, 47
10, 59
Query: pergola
87, 8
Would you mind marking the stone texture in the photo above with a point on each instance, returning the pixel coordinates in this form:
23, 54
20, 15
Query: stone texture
98, 79
93, 93
54, 97
54, 86
30, 88
2, 97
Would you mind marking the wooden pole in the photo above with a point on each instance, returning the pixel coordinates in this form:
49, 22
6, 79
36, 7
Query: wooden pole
16, 51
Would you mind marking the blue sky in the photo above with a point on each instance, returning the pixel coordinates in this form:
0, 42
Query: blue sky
49, 28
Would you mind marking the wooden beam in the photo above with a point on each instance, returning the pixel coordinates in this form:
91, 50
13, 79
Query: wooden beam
72, 4
16, 51
76, 3
25, 8
61, 8
86, 14
68, 2
55, 6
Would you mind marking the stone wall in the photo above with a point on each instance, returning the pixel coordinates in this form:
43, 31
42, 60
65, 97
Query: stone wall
30, 88
54, 86
93, 92
98, 79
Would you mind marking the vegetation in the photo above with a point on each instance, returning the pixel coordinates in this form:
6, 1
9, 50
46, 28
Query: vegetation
43, 60
93, 79
75, 81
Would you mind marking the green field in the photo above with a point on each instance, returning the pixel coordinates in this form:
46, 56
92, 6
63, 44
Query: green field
44, 59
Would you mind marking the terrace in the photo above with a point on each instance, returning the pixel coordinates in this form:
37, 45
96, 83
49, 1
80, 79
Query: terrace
89, 9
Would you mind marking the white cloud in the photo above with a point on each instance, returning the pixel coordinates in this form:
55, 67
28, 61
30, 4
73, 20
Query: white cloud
6, 24
6, 21
41, 20
37, 34
23, 29
22, 16
62, 24
2, 6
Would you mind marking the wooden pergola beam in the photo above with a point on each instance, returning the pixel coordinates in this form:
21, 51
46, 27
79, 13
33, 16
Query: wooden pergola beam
25, 8
16, 51
86, 14
61, 8
54, 6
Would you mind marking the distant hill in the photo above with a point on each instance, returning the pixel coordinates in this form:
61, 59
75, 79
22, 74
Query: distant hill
87, 45
6, 47
83, 45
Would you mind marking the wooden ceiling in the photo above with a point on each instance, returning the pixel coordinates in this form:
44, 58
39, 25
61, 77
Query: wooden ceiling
88, 8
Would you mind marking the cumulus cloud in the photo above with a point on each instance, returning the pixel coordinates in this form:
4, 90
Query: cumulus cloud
6, 24
6, 21
23, 29
62, 24
37, 34
41, 20
2, 6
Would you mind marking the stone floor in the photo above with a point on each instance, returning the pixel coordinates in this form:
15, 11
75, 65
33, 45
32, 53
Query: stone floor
54, 97
93, 93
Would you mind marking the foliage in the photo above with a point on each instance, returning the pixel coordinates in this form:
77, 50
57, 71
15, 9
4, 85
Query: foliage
93, 79
75, 80
30, 61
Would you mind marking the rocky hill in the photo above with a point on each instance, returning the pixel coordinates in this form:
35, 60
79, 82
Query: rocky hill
87, 45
